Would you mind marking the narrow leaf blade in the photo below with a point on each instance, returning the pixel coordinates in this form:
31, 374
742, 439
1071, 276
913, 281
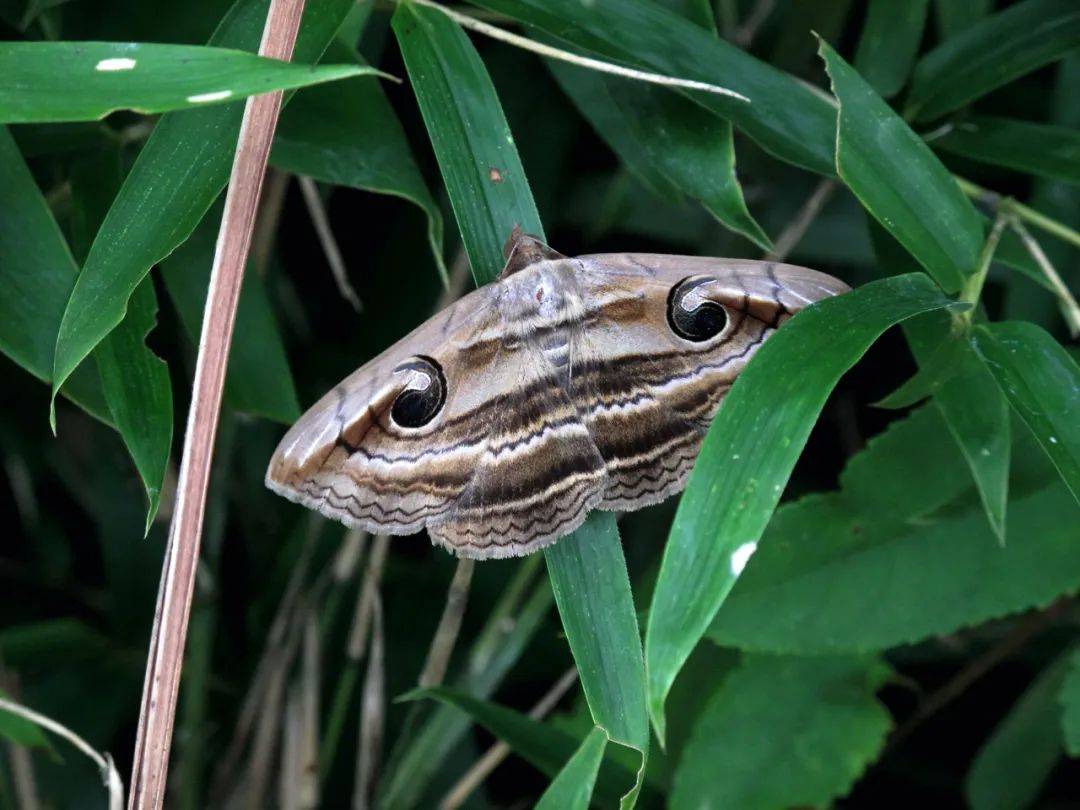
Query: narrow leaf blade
734, 486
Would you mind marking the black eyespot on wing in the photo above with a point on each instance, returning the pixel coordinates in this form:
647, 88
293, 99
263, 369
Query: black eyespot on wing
414, 407
706, 320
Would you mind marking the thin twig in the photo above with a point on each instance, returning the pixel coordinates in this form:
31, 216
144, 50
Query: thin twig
109, 774
744, 34
369, 592
317, 212
796, 229
581, 61
997, 202
1024, 631
482, 768
372, 713
266, 226
442, 644
154, 737
1070, 310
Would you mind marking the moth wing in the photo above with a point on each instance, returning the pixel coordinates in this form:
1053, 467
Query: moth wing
539, 474
648, 395
347, 459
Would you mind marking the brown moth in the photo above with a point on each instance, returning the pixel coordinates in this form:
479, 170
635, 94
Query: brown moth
569, 384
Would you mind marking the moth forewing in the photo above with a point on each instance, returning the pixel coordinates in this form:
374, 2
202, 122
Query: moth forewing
568, 384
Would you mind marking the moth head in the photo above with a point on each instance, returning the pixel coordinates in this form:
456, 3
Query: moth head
423, 396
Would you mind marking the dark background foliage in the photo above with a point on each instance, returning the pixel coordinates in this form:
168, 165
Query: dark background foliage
79, 579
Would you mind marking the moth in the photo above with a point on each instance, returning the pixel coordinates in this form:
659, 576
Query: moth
567, 385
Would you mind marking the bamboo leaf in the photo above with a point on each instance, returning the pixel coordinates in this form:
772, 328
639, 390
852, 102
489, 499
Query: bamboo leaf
587, 569
572, 788
785, 116
1014, 762
659, 133
889, 43
347, 134
37, 273
990, 53
544, 746
1042, 383
898, 179
258, 380
1041, 149
179, 172
734, 487
84, 81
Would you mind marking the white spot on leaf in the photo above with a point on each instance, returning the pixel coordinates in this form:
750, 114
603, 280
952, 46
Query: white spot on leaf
203, 98
114, 64
1053, 440
741, 556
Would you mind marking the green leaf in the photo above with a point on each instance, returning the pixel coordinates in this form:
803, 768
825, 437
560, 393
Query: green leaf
785, 116
1042, 384
180, 171
1012, 765
19, 730
484, 179
735, 487
902, 553
992, 53
84, 81
592, 590
544, 746
37, 274
1069, 698
939, 367
573, 787
470, 137
137, 388
898, 179
658, 133
978, 418
258, 379
1041, 149
955, 16
784, 732
889, 42
347, 134
134, 380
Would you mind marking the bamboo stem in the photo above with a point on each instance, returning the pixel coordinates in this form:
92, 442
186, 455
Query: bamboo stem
165, 659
